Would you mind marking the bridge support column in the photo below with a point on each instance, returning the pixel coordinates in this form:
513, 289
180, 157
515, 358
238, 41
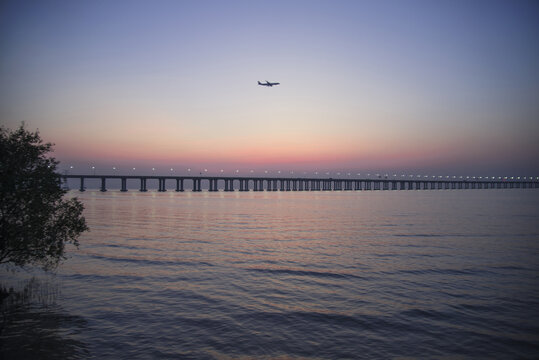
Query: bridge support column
287, 185
179, 185
124, 185
199, 185
143, 185
103, 184
162, 185
82, 189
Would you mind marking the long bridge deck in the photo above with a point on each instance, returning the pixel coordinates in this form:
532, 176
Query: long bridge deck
231, 183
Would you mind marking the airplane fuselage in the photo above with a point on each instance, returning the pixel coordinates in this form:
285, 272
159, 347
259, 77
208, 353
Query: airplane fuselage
268, 84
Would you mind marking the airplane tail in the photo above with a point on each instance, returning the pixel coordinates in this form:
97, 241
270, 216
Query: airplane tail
259, 83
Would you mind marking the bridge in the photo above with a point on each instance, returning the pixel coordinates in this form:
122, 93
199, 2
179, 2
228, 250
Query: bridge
231, 183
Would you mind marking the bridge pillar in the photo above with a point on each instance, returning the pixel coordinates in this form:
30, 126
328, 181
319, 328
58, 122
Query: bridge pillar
143, 185
81, 188
179, 185
124, 185
385, 185
287, 185
103, 184
162, 187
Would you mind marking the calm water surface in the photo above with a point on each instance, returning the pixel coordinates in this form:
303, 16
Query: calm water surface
425, 274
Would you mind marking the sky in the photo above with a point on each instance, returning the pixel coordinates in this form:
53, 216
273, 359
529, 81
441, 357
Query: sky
427, 87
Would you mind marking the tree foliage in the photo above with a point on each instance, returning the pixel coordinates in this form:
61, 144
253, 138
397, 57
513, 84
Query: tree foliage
36, 221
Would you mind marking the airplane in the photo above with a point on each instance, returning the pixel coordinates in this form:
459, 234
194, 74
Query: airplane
267, 83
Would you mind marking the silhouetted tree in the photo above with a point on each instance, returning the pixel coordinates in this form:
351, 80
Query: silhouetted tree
36, 221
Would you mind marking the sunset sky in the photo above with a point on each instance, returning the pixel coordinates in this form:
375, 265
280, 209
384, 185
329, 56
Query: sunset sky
436, 87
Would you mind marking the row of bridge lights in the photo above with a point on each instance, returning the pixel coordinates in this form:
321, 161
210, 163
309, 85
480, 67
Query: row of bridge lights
386, 176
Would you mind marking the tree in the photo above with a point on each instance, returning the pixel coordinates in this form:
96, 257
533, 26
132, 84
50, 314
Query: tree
36, 221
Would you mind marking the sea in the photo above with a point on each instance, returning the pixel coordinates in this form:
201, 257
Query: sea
434, 274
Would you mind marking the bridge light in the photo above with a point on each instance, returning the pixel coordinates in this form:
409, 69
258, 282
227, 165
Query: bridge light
222, 170
114, 168
237, 171
278, 171
252, 171
189, 170
153, 169
134, 169
265, 171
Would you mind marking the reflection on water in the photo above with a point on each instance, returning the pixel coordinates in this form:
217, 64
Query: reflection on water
33, 325
314, 275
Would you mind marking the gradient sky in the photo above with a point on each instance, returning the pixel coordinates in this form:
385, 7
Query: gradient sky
436, 87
